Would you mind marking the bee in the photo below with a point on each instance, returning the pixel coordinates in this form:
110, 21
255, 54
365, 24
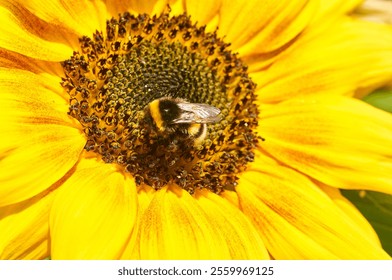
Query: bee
176, 118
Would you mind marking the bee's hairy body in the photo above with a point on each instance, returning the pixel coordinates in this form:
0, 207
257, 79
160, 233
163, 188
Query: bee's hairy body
177, 119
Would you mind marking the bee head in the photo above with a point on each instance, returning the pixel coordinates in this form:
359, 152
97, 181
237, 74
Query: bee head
162, 112
169, 110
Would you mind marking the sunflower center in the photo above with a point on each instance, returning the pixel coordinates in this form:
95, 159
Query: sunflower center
115, 78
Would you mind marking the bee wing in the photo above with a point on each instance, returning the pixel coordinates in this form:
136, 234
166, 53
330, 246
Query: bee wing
197, 113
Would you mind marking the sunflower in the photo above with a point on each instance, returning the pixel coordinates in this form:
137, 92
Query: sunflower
85, 174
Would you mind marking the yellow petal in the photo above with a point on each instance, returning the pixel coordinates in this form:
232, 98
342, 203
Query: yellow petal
337, 140
297, 220
39, 143
43, 159
270, 21
349, 209
93, 213
28, 103
23, 87
19, 38
175, 226
151, 7
144, 197
12, 60
230, 196
351, 57
279, 24
82, 17
24, 229
49, 31
177, 7
242, 238
328, 10
202, 12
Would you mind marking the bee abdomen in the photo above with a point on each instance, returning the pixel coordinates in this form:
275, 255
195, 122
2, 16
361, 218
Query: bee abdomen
198, 132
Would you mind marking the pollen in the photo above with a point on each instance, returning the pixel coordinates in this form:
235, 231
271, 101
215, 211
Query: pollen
116, 74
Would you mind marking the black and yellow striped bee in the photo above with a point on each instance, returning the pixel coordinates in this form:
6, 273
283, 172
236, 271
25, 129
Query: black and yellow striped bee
178, 119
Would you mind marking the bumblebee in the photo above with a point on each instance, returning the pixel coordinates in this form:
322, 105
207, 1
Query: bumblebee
178, 119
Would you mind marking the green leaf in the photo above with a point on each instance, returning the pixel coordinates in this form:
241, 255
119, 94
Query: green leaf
381, 99
377, 209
